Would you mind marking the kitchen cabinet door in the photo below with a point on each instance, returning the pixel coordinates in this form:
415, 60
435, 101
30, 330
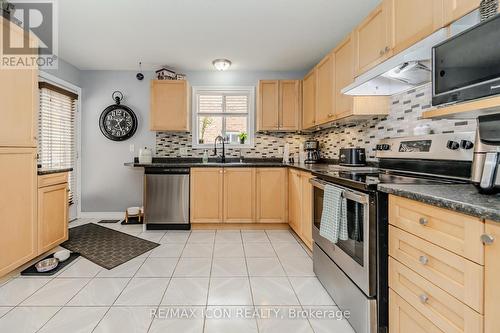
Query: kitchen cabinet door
412, 21
325, 107
455, 9
18, 197
52, 216
492, 276
372, 37
206, 195
18, 97
268, 105
290, 105
239, 195
307, 209
344, 75
295, 200
170, 106
309, 100
272, 202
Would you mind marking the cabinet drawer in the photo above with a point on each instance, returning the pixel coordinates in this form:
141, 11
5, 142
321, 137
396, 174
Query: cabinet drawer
403, 318
446, 312
52, 179
458, 276
453, 231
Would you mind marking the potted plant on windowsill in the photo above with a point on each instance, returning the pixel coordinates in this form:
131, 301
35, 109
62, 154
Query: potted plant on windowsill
205, 123
243, 137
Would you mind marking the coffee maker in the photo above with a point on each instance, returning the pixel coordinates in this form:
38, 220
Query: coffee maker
486, 162
311, 147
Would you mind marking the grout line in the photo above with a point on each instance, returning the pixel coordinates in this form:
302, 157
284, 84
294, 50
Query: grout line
209, 281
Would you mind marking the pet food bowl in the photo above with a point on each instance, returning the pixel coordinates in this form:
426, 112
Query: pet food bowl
46, 265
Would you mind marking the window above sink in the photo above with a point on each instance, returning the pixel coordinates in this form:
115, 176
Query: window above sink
226, 111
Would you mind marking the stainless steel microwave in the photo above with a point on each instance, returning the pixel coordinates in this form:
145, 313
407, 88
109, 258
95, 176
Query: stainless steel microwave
467, 66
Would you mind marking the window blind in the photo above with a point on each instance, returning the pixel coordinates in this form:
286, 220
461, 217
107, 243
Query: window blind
56, 131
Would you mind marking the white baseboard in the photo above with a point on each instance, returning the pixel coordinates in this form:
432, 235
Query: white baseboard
102, 215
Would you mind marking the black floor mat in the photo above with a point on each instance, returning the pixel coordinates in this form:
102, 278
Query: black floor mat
106, 247
109, 221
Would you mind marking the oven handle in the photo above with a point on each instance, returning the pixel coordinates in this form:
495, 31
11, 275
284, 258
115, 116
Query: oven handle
348, 193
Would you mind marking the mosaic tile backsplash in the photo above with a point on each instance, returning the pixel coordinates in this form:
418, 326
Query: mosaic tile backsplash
405, 114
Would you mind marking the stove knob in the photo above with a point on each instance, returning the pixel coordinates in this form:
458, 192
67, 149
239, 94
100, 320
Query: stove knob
385, 146
453, 145
379, 147
466, 144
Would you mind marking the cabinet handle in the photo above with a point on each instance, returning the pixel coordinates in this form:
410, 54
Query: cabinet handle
220, 171
423, 221
423, 260
424, 298
387, 49
487, 239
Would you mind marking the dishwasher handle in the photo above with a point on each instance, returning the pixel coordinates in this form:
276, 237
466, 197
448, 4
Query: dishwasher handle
167, 171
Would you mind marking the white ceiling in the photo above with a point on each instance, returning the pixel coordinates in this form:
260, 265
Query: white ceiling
274, 35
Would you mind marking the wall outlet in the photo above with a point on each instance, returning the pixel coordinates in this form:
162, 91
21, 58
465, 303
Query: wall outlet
280, 150
132, 148
183, 151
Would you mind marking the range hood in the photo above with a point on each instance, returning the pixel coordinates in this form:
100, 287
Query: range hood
410, 68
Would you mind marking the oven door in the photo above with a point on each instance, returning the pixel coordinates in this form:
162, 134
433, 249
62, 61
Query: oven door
353, 255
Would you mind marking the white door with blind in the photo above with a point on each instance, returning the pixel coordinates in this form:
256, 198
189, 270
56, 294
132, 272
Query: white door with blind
57, 144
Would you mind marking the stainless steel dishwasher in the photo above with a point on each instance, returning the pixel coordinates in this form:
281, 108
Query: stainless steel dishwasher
166, 198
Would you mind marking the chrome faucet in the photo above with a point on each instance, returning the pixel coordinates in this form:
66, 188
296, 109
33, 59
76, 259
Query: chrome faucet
223, 156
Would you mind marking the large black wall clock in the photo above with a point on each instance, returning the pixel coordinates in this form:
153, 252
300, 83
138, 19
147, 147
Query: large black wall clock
118, 122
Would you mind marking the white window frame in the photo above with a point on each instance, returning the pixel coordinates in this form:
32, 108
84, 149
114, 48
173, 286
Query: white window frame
250, 90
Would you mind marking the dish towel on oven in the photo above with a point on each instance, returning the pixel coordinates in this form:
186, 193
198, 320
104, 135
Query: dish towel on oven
334, 218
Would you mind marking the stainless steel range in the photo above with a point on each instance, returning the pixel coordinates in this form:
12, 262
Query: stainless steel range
354, 271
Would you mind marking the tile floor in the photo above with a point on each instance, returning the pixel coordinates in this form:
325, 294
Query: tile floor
199, 281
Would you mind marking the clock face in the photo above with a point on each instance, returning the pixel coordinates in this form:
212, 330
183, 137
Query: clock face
118, 122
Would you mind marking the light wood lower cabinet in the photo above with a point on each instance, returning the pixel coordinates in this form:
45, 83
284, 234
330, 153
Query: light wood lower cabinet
206, 195
18, 224
458, 233
492, 278
300, 196
437, 282
239, 194
271, 195
52, 211
405, 319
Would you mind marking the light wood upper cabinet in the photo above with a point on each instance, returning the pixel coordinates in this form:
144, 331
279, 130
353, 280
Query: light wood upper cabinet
325, 86
206, 195
309, 100
18, 97
170, 106
18, 229
290, 109
344, 75
373, 38
268, 105
455, 9
279, 106
239, 195
271, 195
412, 21
52, 215
491, 278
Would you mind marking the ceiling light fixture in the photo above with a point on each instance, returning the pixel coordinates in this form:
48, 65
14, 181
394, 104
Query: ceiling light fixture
221, 64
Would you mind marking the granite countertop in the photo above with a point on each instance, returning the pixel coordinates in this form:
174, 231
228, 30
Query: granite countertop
51, 171
230, 162
462, 198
